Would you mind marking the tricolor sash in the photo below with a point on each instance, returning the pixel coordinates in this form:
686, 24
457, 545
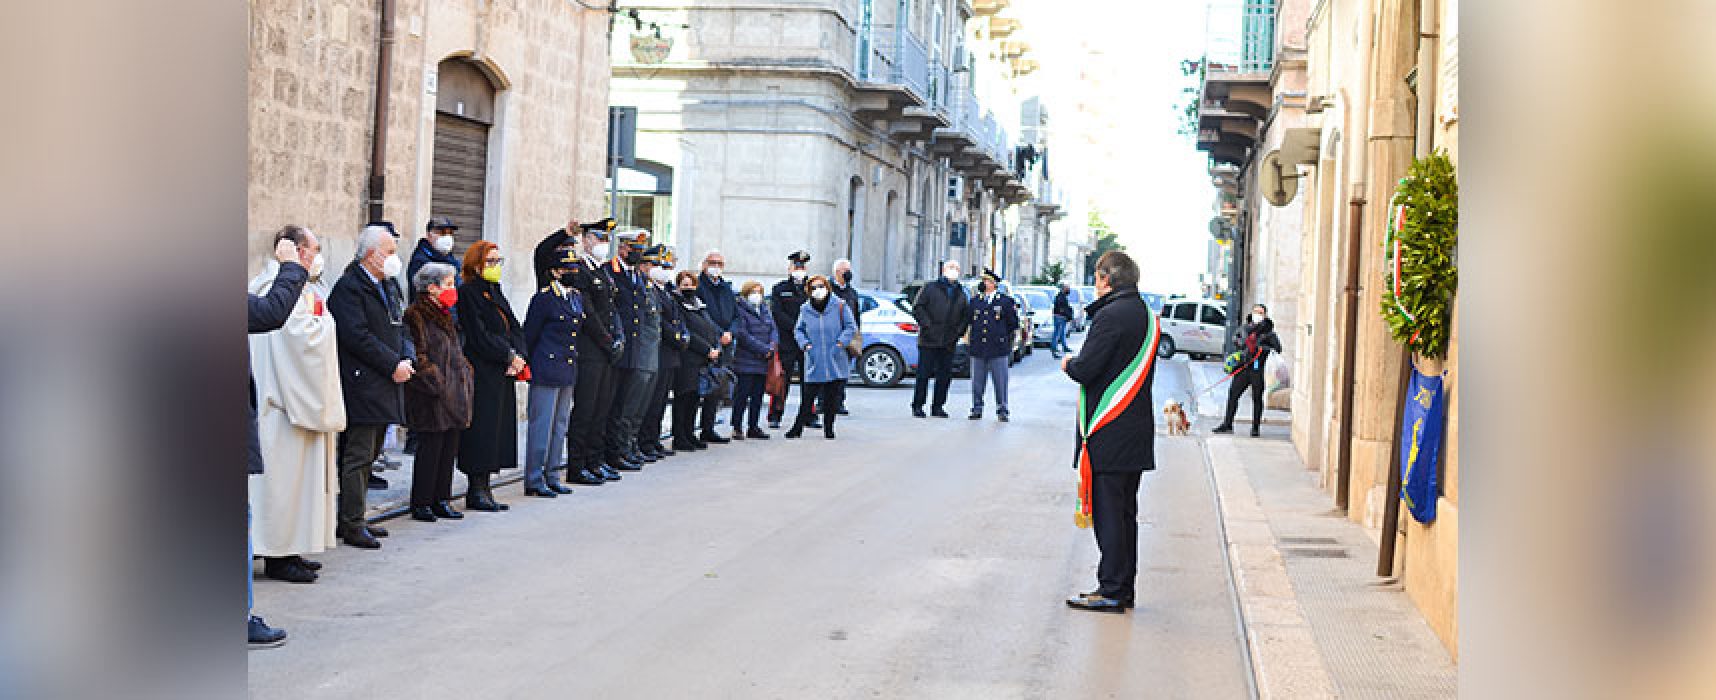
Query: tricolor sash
1114, 401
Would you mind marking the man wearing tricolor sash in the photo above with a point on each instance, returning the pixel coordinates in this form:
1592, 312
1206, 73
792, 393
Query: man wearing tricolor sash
1116, 433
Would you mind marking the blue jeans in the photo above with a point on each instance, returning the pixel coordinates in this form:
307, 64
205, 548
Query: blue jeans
548, 411
1059, 343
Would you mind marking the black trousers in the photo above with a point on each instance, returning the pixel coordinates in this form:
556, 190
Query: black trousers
1114, 513
686, 403
614, 445
592, 401
808, 396
792, 360
748, 400
358, 447
649, 431
936, 363
432, 469
1246, 378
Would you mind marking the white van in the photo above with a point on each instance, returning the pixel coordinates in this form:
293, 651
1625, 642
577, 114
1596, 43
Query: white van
1196, 327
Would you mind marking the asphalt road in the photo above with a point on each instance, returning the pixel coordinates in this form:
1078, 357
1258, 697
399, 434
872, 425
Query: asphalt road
923, 558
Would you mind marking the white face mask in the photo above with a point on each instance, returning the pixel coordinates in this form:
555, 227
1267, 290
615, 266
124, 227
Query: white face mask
819, 294
756, 298
391, 266
1257, 318
599, 251
798, 275
444, 244
714, 272
952, 274
660, 275
316, 265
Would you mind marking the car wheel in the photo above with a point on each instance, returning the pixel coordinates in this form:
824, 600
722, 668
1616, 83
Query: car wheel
882, 366
1165, 347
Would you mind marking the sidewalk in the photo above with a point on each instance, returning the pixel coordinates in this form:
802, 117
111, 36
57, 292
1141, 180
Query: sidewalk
1317, 621
1211, 404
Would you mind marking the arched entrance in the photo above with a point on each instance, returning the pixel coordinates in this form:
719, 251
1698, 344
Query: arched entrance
464, 116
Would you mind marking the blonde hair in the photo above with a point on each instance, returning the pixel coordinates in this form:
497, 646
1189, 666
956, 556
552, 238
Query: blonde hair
745, 289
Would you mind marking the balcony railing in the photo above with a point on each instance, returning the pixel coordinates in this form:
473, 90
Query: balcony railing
896, 62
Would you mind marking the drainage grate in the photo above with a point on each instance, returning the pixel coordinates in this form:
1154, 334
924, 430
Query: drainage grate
1315, 552
1307, 540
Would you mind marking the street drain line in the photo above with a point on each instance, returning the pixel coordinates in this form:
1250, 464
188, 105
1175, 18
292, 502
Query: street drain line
1227, 564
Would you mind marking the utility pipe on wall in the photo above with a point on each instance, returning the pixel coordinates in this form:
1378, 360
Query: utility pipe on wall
378, 131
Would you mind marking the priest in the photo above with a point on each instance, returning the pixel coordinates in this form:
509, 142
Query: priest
300, 413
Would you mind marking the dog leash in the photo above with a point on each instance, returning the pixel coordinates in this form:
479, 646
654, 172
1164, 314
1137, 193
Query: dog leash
1237, 370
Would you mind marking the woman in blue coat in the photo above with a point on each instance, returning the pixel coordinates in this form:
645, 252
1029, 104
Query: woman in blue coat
825, 325
550, 337
756, 339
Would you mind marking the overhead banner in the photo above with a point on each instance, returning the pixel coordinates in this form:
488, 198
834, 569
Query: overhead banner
1420, 451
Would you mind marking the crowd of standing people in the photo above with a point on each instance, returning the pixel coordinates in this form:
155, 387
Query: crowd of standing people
613, 335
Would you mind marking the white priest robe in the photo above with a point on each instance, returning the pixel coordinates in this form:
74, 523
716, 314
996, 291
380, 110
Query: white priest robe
299, 413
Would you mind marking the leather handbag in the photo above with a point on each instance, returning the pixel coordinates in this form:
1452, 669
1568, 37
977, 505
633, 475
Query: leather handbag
855, 347
776, 383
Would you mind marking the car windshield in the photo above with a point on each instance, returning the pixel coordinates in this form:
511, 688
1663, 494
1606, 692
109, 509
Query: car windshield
1037, 299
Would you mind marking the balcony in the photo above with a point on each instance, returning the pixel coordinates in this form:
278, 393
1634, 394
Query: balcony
1002, 27
959, 137
987, 8
1233, 107
895, 85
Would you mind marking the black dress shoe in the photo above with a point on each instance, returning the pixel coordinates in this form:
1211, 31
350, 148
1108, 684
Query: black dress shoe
687, 446
697, 444
1255, 432
797, 430
757, 434
287, 569
609, 473
444, 510
559, 488
422, 513
841, 412
377, 483
1096, 604
918, 412
814, 424
666, 452
585, 477
975, 415
628, 466
639, 458
1002, 416
737, 434
361, 539
1222, 429
828, 432
713, 439
1124, 602
540, 492
310, 564
376, 530
938, 413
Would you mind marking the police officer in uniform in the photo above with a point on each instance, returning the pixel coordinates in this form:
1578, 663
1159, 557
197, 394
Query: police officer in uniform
658, 260
599, 346
637, 365
994, 322
784, 302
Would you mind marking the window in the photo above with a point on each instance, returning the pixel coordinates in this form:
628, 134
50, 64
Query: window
1213, 315
1186, 312
866, 303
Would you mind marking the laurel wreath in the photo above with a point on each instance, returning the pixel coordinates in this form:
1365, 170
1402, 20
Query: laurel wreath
1420, 275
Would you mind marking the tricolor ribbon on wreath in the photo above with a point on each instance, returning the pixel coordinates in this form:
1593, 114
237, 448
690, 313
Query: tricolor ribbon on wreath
1114, 401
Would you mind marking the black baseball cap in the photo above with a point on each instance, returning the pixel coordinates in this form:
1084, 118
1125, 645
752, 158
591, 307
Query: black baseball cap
386, 225
440, 222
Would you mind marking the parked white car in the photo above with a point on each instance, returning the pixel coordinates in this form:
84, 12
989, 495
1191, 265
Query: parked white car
1196, 327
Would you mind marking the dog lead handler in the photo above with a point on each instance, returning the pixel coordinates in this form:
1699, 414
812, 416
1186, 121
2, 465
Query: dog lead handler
1116, 431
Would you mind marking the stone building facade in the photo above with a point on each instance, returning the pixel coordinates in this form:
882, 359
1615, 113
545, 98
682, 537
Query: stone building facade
847, 128
496, 115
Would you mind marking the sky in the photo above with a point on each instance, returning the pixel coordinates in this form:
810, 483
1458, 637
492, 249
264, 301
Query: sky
1151, 183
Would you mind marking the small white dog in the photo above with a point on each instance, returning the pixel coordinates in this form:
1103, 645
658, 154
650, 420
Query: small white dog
1178, 423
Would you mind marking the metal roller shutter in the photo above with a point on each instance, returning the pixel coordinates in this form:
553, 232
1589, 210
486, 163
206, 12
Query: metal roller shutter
461, 166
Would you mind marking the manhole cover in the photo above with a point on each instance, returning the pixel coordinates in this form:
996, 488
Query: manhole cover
1315, 552
1307, 540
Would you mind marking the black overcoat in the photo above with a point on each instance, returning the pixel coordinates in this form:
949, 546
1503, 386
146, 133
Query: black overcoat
372, 339
1119, 324
492, 336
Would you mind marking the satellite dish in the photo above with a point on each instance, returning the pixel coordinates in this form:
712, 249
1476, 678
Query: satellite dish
1278, 188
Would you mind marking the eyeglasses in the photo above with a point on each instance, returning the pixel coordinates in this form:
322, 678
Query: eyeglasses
494, 261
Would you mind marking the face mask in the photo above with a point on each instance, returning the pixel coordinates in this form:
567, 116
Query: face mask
846, 277
798, 275
599, 251
661, 276
1257, 318
448, 297
951, 275
687, 290
756, 298
444, 244
492, 273
316, 265
391, 266
714, 272
819, 293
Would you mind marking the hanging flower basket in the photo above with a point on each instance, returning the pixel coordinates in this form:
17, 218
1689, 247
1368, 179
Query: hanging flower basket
1419, 272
